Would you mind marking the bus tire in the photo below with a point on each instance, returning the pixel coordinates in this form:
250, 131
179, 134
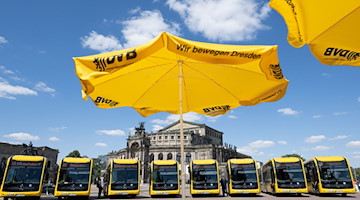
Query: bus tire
344, 194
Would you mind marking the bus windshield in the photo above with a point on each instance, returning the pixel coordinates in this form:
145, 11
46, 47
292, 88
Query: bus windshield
125, 173
74, 173
23, 176
291, 172
241, 173
243, 176
334, 171
165, 177
124, 176
205, 173
165, 174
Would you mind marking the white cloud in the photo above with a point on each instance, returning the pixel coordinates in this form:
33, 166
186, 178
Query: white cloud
356, 155
339, 113
41, 86
8, 91
287, 111
282, 142
57, 129
320, 148
132, 130
100, 42
115, 132
339, 137
250, 151
261, 144
54, 139
22, 136
212, 118
326, 75
169, 119
190, 116
315, 138
193, 117
316, 116
355, 144
135, 10
144, 27
232, 117
223, 20
6, 71
2, 40
101, 144
156, 127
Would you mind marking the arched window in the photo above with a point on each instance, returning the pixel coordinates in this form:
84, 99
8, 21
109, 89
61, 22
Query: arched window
160, 156
133, 149
169, 156
178, 155
188, 157
151, 157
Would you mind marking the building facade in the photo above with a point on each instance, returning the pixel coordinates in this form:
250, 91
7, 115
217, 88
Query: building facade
7, 150
200, 142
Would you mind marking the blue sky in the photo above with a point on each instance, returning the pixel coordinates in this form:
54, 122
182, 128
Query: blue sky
40, 98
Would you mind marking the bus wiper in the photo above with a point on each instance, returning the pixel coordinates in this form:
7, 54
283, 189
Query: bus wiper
119, 182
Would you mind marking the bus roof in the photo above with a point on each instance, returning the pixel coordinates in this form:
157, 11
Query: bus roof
204, 162
164, 162
330, 158
242, 161
125, 161
27, 158
76, 160
287, 159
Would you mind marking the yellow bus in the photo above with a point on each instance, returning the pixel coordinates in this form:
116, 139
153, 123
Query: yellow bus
23, 177
243, 177
164, 178
284, 176
329, 175
122, 178
204, 177
74, 178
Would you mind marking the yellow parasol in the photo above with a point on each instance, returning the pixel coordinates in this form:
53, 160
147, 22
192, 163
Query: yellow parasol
331, 28
175, 75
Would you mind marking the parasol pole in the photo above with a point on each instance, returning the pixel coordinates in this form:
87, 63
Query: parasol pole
181, 124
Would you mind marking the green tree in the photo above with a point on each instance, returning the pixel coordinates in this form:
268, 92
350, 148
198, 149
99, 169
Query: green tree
293, 155
357, 173
75, 154
99, 164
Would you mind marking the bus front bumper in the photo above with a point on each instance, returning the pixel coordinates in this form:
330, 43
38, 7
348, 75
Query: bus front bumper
123, 192
70, 193
20, 194
338, 191
292, 191
242, 191
216, 191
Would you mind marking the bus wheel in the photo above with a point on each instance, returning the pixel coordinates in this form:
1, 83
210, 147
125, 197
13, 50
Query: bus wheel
344, 194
